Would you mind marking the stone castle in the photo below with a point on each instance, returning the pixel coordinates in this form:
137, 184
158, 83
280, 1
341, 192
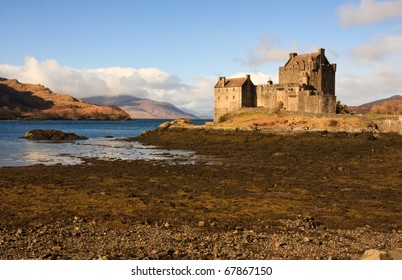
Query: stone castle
306, 84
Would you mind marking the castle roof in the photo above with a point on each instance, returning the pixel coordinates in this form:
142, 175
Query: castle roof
301, 58
231, 82
296, 59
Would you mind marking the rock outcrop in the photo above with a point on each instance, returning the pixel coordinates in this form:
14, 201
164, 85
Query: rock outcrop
39, 134
376, 255
30, 101
373, 254
180, 122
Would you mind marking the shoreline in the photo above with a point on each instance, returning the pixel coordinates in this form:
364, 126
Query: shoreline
251, 196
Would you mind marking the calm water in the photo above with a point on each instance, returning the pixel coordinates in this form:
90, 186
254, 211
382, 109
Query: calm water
16, 151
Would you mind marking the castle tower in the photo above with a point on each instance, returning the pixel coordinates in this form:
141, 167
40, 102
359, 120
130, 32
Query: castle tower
310, 69
231, 94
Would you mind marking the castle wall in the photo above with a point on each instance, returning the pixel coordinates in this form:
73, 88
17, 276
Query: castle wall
294, 75
227, 100
294, 98
328, 79
316, 103
266, 96
249, 95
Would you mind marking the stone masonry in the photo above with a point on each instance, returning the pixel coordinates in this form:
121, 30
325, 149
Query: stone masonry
306, 84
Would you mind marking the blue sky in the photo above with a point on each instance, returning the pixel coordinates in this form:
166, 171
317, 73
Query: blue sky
174, 50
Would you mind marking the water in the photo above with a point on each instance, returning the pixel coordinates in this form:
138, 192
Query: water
16, 151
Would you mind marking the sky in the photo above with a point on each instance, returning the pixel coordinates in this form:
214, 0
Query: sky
175, 50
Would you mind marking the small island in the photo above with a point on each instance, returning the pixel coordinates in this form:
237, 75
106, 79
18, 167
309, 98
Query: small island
52, 134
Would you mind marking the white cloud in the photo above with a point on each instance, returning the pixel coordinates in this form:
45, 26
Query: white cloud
258, 78
378, 49
266, 51
379, 83
369, 11
377, 73
151, 83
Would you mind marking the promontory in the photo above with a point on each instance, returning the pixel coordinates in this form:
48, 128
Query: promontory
35, 101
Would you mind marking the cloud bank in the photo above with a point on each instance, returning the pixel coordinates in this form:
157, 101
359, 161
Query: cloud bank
369, 11
379, 49
356, 89
151, 83
265, 52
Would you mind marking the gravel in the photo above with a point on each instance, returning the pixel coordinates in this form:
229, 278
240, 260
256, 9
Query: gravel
301, 238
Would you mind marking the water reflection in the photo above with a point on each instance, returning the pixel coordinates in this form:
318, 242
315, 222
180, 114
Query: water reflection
75, 152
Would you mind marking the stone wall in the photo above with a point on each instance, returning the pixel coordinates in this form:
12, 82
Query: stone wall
316, 103
249, 96
389, 124
313, 70
294, 98
231, 98
227, 100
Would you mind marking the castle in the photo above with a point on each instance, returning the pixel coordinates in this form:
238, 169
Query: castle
306, 84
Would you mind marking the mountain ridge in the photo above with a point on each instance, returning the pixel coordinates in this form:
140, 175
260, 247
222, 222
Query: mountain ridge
142, 107
390, 105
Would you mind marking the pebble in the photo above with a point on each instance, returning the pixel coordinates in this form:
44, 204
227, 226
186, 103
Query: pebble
94, 241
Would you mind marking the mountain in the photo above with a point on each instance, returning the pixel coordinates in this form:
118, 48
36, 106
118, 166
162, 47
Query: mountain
391, 105
34, 101
142, 108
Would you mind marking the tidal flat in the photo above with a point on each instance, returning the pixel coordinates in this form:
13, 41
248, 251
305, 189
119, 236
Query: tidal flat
248, 195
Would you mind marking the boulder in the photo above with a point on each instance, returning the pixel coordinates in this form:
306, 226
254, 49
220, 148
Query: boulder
39, 134
373, 254
165, 125
181, 122
396, 254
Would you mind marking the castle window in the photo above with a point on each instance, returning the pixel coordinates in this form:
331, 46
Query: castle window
234, 97
233, 89
226, 90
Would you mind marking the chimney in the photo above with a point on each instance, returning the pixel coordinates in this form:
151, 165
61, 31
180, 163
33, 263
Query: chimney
292, 55
248, 77
223, 79
321, 51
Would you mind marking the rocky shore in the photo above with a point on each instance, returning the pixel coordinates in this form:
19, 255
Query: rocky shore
248, 195
295, 239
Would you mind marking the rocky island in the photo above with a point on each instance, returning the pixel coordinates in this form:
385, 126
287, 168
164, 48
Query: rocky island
52, 134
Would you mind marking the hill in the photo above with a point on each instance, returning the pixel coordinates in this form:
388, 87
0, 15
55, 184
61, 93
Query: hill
34, 101
142, 108
391, 105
